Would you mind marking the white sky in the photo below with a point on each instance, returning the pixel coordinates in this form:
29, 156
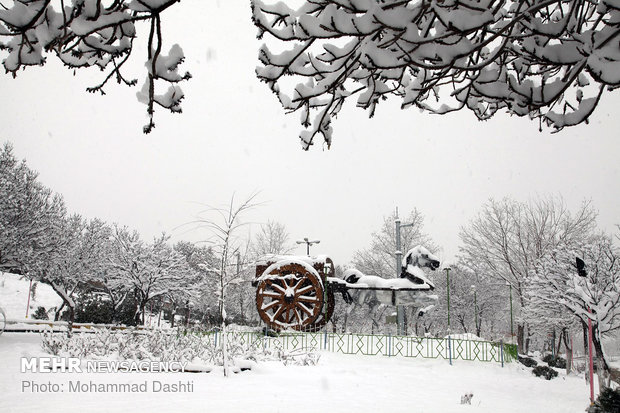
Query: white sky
234, 137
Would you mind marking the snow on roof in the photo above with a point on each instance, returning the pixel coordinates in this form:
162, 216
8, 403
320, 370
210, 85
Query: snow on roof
271, 258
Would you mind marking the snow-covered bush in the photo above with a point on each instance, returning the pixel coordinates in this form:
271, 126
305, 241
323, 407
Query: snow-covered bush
40, 314
528, 362
556, 361
198, 350
544, 371
607, 402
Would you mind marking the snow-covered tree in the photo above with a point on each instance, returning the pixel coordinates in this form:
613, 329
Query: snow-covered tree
507, 238
77, 262
549, 60
94, 33
30, 216
149, 270
556, 288
200, 259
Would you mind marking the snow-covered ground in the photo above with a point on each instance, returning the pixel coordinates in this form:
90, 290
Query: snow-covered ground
14, 296
338, 383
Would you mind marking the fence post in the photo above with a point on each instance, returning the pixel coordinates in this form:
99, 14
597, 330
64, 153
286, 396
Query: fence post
325, 343
389, 344
501, 342
449, 349
215, 338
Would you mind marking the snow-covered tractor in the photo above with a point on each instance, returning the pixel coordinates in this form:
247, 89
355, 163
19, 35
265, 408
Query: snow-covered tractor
298, 292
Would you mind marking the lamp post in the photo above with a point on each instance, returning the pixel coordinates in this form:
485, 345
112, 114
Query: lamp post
308, 243
400, 311
512, 334
447, 269
473, 288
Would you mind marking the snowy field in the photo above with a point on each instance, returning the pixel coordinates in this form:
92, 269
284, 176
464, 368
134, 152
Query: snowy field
14, 297
339, 383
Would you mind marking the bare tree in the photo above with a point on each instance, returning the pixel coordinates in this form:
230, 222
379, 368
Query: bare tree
224, 230
98, 34
272, 238
549, 60
508, 237
477, 306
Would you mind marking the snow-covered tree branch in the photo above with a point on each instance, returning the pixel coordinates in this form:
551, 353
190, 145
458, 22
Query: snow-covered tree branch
94, 33
550, 60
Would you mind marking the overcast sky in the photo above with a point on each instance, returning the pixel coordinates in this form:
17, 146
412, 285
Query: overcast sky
233, 137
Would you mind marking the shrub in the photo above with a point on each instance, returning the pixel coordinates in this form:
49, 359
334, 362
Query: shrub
93, 309
528, 362
558, 361
608, 401
201, 350
40, 314
544, 371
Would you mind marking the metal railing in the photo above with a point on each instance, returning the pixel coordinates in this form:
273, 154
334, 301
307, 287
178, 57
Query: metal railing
379, 345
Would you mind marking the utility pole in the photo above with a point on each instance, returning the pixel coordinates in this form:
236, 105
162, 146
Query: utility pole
400, 310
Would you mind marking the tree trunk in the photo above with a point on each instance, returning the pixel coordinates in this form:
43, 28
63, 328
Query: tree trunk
602, 366
585, 349
521, 338
70, 321
59, 311
557, 351
569, 351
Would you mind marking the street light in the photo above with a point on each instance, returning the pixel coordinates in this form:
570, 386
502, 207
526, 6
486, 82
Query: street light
473, 288
512, 334
447, 269
308, 243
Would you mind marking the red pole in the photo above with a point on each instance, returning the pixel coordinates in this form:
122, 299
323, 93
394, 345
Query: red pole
590, 355
28, 305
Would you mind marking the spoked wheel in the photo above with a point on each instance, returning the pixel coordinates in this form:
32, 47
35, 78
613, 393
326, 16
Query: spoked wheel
2, 320
290, 296
326, 314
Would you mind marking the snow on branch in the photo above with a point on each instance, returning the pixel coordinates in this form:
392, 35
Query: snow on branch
93, 34
550, 60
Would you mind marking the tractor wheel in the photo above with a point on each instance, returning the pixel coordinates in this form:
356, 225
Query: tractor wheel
289, 296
